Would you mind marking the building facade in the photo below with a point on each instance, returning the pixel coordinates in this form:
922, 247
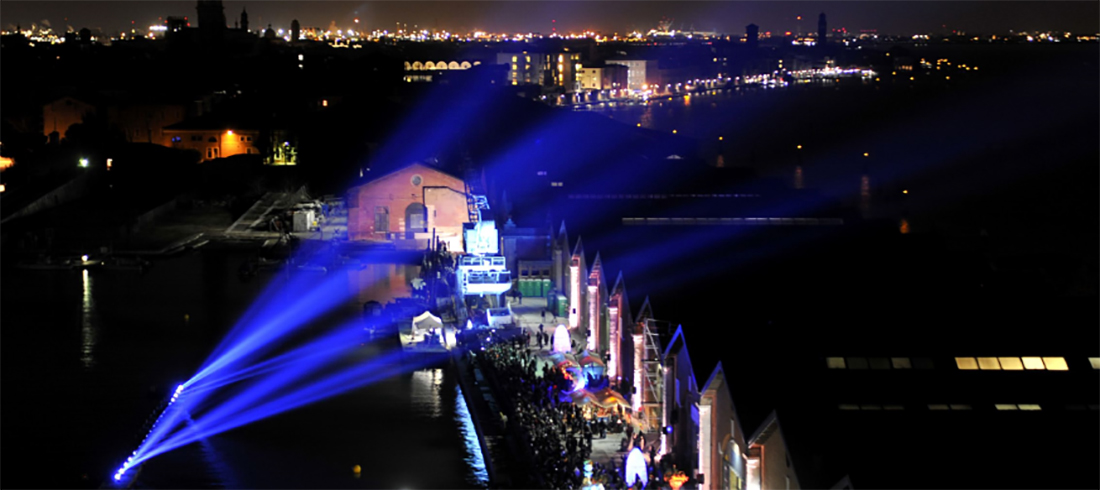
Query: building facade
410, 203
551, 70
605, 77
641, 74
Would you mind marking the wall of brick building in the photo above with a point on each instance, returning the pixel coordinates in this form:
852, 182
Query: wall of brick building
397, 191
776, 472
723, 429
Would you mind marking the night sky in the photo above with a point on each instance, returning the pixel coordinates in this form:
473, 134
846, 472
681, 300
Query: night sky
899, 17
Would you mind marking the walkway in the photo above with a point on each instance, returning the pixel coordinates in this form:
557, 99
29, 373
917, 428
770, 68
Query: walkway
528, 316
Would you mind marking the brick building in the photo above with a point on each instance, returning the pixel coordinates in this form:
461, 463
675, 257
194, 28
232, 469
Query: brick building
408, 204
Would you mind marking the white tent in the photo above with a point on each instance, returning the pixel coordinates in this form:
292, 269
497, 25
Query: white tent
426, 321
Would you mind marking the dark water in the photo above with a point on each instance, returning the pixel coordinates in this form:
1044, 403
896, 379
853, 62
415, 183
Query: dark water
999, 164
87, 357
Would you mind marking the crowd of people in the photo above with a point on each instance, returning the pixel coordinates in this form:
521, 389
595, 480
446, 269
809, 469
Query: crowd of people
545, 420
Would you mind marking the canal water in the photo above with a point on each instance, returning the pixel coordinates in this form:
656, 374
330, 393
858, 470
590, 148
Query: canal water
984, 179
89, 355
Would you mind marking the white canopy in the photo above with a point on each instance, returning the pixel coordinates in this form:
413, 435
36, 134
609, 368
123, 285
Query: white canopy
426, 321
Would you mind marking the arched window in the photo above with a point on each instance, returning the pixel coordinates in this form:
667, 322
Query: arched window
429, 66
417, 66
408, 66
465, 65
453, 66
441, 65
415, 220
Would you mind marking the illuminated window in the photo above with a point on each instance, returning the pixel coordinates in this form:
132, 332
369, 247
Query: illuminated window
857, 363
989, 364
966, 363
960, 407
514, 59
938, 407
1001, 406
880, 363
835, 362
1030, 407
1011, 363
1033, 363
1056, 363
900, 362
1095, 361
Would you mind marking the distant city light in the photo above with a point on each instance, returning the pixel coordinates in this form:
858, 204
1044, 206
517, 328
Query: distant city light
84, 162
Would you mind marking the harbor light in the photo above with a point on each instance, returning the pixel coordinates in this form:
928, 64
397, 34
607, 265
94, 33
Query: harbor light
84, 163
866, 154
905, 191
799, 147
84, 258
719, 138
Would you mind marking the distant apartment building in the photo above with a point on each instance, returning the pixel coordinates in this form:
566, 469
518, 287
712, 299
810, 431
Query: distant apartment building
553, 69
641, 73
604, 77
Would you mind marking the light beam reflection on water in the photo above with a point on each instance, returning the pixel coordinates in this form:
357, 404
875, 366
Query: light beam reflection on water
89, 331
474, 458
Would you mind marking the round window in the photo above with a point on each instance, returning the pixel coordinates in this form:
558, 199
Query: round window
416, 180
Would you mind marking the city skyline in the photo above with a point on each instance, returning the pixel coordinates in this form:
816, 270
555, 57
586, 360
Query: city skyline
573, 17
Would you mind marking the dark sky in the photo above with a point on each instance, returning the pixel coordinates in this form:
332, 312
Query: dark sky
608, 16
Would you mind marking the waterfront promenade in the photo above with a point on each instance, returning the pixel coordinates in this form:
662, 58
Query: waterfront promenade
528, 316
